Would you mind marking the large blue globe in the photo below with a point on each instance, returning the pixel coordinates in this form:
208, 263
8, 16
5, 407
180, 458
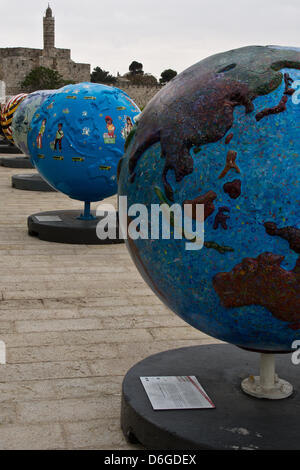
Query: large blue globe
226, 133
77, 138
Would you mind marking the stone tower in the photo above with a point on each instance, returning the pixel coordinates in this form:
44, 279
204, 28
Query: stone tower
49, 30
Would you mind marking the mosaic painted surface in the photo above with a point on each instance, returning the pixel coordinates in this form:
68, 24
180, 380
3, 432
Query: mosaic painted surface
77, 138
226, 133
7, 114
23, 116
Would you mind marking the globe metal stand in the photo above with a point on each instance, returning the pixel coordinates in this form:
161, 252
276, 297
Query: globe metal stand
74, 227
31, 182
87, 214
267, 384
238, 421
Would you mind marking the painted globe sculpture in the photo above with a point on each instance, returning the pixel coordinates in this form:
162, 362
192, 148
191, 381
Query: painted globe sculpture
77, 138
23, 115
7, 114
225, 133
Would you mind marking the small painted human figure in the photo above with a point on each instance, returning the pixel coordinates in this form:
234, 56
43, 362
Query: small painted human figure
128, 127
110, 127
39, 138
59, 136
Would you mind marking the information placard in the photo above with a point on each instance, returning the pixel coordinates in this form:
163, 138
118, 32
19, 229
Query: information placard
176, 392
48, 218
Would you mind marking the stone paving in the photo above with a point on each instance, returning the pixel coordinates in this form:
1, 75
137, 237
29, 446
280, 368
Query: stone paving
74, 319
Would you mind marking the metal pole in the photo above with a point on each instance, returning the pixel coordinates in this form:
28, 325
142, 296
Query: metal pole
87, 210
87, 215
267, 370
267, 384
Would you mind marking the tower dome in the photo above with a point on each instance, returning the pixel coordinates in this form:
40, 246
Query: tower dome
49, 12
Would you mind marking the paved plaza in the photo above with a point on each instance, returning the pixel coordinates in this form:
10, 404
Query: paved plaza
74, 319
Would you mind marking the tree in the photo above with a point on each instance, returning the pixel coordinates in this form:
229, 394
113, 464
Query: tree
42, 78
136, 68
166, 76
102, 76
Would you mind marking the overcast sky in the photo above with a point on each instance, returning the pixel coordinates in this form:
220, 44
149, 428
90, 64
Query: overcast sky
159, 33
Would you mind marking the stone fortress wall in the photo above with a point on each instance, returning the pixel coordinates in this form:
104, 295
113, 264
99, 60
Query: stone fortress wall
18, 62
139, 93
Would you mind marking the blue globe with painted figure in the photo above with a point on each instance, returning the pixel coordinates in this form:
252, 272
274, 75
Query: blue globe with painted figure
77, 138
23, 117
225, 133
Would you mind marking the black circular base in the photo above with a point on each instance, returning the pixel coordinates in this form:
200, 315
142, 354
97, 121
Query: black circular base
31, 182
9, 149
67, 228
16, 162
239, 421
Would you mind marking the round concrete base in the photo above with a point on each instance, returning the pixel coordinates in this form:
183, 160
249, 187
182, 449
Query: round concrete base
65, 227
31, 182
16, 162
239, 421
9, 149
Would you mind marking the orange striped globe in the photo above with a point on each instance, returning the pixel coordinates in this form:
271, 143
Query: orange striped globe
7, 114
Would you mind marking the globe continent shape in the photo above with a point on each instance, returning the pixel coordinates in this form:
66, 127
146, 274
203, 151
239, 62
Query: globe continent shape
225, 133
23, 116
77, 138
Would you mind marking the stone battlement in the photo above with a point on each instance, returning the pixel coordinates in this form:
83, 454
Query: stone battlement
141, 94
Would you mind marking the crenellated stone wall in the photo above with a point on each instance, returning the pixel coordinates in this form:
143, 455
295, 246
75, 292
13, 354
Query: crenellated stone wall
139, 93
17, 62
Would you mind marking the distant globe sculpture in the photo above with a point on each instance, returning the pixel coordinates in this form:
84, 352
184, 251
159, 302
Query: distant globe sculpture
7, 114
23, 115
77, 138
225, 133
